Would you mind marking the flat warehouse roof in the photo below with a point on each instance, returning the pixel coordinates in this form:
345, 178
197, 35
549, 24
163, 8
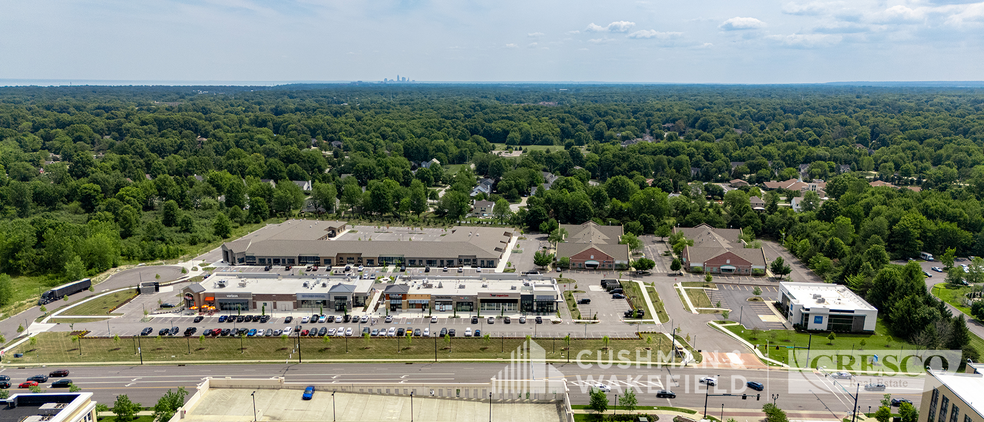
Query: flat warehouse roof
285, 285
823, 295
471, 287
235, 405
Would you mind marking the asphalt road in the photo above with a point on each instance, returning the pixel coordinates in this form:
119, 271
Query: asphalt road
131, 277
145, 384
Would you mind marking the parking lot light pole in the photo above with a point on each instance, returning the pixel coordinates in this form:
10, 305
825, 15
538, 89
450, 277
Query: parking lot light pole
490, 406
411, 406
253, 395
333, 405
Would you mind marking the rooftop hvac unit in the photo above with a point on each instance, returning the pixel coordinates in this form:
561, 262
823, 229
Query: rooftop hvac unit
305, 284
324, 284
821, 300
512, 287
817, 296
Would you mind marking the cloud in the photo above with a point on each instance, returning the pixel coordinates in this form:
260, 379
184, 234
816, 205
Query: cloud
652, 33
574, 32
842, 28
739, 23
511, 45
706, 45
602, 40
806, 40
535, 34
618, 26
532, 45
810, 9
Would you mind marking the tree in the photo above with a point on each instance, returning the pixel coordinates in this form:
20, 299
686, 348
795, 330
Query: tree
908, 412
169, 404
631, 240
948, 257
287, 197
75, 268
6, 290
598, 401
886, 400
955, 276
542, 259
170, 213
676, 265
447, 340
323, 195
831, 337
418, 198
774, 414
352, 196
453, 205
221, 226
779, 267
501, 210
557, 236
628, 400
124, 409
757, 291
883, 414
644, 264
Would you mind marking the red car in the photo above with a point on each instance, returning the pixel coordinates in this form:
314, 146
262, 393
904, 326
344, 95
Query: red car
28, 384
305, 333
216, 332
59, 373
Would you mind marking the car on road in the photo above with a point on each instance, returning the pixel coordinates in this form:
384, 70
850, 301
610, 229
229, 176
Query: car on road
875, 386
308, 393
522, 320
62, 383
898, 402
710, 381
28, 384
468, 332
667, 394
4, 384
60, 373
147, 331
754, 385
39, 378
842, 375
937, 269
198, 319
603, 387
490, 320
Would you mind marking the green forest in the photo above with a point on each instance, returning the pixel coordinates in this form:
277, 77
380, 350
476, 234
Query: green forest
97, 177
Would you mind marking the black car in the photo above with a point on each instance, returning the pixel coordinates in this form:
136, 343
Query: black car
240, 318
146, 331
62, 383
198, 319
584, 301
451, 332
331, 318
403, 268
288, 319
400, 332
665, 394
898, 402
40, 378
539, 320
265, 318
323, 331
164, 331
268, 268
444, 332
174, 331
4, 378
4, 384
190, 331
60, 373
757, 386
507, 320
427, 269
226, 332
315, 318
314, 332
347, 318
416, 332
618, 296
474, 320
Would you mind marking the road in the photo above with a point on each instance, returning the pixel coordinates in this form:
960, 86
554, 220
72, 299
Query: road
131, 277
145, 384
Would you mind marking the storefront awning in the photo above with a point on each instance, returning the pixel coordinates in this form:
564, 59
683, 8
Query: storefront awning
591, 263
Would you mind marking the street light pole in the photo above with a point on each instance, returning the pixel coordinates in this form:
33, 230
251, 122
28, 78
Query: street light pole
411, 406
490, 406
253, 395
706, 391
774, 398
333, 405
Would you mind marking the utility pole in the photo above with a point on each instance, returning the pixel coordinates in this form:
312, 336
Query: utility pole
854, 413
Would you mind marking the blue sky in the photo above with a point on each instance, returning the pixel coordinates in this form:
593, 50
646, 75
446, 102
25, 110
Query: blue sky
696, 41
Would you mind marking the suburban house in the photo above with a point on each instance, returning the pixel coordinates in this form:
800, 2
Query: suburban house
757, 203
592, 246
305, 185
484, 186
720, 251
482, 208
818, 186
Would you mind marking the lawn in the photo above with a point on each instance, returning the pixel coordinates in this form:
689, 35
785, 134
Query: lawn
703, 284
572, 303
59, 347
785, 338
953, 295
638, 302
699, 298
102, 305
144, 418
502, 147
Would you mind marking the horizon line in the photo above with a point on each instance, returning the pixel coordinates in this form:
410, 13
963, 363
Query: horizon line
46, 83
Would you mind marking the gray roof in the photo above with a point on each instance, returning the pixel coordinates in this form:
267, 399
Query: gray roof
705, 235
703, 254
342, 288
196, 288
592, 232
616, 251
396, 289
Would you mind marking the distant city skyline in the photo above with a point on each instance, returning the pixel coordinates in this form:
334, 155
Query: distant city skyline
713, 41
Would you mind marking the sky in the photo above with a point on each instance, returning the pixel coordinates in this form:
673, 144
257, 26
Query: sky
646, 41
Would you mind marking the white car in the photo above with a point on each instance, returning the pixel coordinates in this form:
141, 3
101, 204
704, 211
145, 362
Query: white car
348, 332
288, 330
331, 332
391, 332
360, 268
468, 332
323, 319
305, 320
340, 332
842, 375
709, 381
427, 332
478, 269
433, 320
603, 387
364, 319
259, 333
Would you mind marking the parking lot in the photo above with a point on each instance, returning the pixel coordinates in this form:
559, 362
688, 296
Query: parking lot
754, 315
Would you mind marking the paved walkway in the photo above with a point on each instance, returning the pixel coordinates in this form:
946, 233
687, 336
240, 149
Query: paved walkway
649, 302
505, 257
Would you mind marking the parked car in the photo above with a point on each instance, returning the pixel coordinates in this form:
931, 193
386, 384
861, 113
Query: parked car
478, 333
618, 296
364, 319
146, 331
288, 330
710, 381
251, 332
305, 320
898, 402
348, 332
340, 332
4, 378
427, 332
757, 386
468, 332
226, 332
584, 301
288, 319
347, 318
308, 393
268, 333
174, 331
62, 383
400, 332
389, 319
875, 386
507, 320
28, 384
332, 332
198, 319
61, 373
539, 320
927, 274
434, 320
39, 378
417, 332
451, 332
444, 332
490, 320
522, 320
474, 320
323, 332
305, 333
375, 332
665, 394
937, 269
365, 331
223, 318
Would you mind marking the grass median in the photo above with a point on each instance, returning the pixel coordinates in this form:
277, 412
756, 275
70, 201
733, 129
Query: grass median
103, 305
637, 301
954, 295
61, 348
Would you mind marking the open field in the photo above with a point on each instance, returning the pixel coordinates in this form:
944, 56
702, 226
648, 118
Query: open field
59, 347
102, 305
502, 147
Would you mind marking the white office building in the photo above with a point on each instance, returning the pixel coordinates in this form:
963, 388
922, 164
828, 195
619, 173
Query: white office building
826, 307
